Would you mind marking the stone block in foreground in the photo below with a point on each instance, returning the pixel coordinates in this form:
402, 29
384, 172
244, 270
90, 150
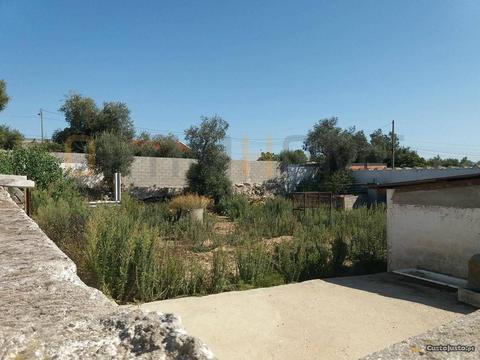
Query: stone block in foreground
46, 311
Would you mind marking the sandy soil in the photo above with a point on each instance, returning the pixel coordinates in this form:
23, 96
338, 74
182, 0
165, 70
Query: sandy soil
338, 318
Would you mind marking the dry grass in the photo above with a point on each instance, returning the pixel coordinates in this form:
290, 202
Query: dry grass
189, 201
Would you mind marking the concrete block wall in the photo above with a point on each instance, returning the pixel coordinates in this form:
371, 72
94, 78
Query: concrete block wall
158, 172
171, 172
256, 172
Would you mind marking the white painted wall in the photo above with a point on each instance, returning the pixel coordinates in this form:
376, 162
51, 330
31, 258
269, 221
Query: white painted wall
436, 238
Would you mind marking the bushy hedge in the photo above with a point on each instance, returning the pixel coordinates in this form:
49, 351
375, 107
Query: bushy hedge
34, 162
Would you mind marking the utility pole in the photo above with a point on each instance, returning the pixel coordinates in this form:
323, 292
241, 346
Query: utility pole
41, 121
393, 144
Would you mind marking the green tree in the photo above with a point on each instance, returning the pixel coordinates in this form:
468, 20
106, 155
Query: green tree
286, 157
112, 154
208, 176
159, 146
3, 95
437, 161
333, 147
380, 147
381, 151
340, 182
406, 157
85, 119
466, 162
9, 138
292, 157
267, 156
115, 117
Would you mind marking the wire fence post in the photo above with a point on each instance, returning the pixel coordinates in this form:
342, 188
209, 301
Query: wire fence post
118, 187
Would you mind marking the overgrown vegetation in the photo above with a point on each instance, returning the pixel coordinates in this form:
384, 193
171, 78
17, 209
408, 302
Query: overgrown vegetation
144, 252
9, 138
34, 162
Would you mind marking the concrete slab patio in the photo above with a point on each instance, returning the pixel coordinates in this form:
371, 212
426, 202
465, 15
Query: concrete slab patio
338, 318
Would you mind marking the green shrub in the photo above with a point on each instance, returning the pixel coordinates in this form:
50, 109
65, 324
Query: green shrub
273, 218
6, 166
61, 212
254, 266
9, 138
34, 162
201, 236
129, 262
289, 259
234, 206
219, 278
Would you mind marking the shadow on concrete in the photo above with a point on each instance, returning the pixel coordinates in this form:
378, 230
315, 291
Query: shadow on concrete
401, 287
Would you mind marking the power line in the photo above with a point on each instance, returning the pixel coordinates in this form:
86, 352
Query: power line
53, 112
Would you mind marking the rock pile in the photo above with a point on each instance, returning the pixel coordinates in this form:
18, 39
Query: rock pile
254, 192
46, 311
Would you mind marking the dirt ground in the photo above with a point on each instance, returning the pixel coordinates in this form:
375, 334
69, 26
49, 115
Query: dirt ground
338, 318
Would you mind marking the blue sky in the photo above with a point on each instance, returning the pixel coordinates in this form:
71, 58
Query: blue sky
270, 68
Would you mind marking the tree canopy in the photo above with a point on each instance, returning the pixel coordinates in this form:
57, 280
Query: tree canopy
9, 138
159, 146
285, 156
86, 119
333, 147
3, 95
336, 148
208, 176
112, 154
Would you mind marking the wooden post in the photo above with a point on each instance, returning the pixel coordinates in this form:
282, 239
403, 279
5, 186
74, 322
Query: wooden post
27, 205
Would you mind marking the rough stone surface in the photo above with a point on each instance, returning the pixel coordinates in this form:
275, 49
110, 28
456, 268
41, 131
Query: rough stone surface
17, 195
46, 311
464, 330
253, 192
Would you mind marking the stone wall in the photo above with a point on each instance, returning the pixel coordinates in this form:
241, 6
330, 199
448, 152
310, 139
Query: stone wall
433, 229
171, 172
46, 311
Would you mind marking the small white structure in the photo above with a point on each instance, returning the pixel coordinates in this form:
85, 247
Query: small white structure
434, 224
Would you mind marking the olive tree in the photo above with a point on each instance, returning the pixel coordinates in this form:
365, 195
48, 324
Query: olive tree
209, 175
112, 154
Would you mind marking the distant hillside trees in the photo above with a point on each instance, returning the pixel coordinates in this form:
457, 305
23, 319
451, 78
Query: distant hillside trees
285, 156
159, 146
335, 148
437, 161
